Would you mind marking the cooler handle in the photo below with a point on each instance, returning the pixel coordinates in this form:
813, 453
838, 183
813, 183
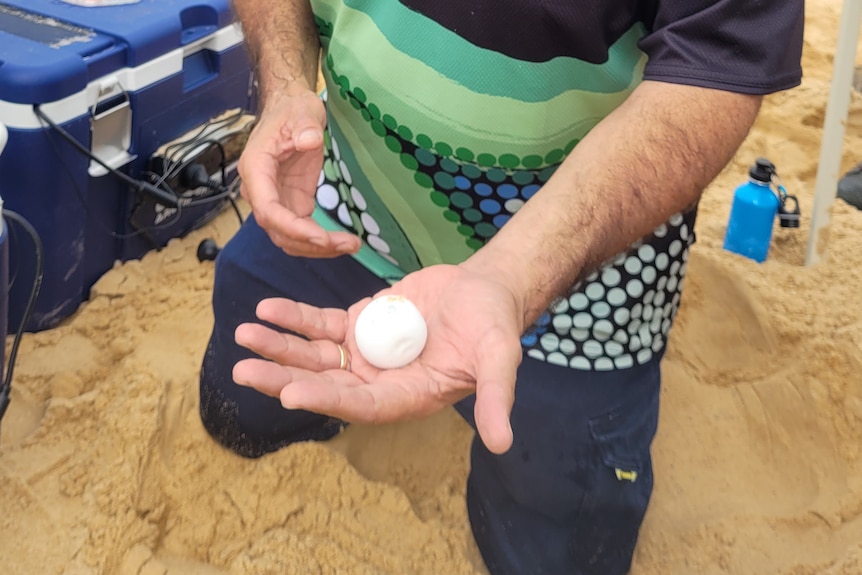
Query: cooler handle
110, 127
201, 42
198, 22
200, 67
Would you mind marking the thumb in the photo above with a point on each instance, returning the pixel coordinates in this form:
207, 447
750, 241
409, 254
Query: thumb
495, 391
308, 137
308, 126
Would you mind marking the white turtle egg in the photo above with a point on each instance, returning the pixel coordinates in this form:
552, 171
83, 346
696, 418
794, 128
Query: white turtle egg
390, 332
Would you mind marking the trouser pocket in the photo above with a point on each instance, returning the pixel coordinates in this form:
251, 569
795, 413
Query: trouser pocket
619, 491
556, 502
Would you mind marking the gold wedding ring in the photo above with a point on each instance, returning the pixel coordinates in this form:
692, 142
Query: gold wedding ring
343, 358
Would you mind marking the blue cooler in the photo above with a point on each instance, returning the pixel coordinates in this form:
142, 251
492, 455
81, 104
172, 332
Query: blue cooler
4, 263
125, 82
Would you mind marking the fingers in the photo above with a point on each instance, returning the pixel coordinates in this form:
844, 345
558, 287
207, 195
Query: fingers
328, 245
296, 234
495, 391
335, 393
265, 376
273, 215
313, 322
272, 379
258, 167
291, 350
342, 395
345, 402
287, 229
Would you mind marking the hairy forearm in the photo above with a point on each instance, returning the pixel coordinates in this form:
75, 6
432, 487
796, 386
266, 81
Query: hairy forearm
283, 43
649, 159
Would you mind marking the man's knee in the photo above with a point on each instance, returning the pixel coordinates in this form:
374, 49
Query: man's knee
220, 412
226, 430
246, 421
229, 412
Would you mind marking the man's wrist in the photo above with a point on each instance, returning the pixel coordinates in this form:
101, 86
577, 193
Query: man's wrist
492, 265
277, 90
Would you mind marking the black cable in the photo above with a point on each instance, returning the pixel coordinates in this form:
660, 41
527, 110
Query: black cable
13, 273
188, 149
174, 165
182, 162
109, 231
236, 209
166, 197
196, 138
163, 196
206, 199
6, 386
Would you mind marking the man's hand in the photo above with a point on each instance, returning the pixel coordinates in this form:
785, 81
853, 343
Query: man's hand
280, 168
473, 346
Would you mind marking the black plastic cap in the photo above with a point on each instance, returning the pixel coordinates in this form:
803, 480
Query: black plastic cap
208, 250
789, 220
762, 170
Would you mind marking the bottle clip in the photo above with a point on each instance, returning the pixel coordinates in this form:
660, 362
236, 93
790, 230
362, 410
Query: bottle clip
788, 216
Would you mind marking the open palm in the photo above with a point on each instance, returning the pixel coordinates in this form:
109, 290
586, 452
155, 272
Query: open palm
473, 346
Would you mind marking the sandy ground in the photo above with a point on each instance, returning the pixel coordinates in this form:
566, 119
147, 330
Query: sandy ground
105, 468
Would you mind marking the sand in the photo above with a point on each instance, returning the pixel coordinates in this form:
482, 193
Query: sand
105, 468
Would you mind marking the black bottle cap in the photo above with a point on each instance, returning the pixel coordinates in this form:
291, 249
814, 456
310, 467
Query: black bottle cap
762, 170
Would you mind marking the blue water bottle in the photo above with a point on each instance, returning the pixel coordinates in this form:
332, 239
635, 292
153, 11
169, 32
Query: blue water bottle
752, 215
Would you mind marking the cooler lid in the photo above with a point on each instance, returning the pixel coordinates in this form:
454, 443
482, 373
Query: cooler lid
50, 50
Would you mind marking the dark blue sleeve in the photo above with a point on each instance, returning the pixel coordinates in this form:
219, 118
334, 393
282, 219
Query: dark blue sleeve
747, 46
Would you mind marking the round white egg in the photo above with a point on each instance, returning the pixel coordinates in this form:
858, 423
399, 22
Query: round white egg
390, 332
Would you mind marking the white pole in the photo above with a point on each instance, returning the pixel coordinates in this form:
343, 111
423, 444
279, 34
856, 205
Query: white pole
833, 126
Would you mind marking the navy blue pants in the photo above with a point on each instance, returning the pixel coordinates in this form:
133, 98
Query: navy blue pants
567, 498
